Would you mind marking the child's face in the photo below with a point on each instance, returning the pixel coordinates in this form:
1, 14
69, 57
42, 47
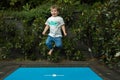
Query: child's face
54, 12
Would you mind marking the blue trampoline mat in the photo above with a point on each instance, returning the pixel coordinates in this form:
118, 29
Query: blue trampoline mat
54, 73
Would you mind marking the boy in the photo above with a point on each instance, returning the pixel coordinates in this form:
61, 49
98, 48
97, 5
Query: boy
55, 23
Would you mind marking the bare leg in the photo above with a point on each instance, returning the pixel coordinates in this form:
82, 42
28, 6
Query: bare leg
50, 52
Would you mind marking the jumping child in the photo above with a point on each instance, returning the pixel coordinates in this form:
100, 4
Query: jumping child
55, 24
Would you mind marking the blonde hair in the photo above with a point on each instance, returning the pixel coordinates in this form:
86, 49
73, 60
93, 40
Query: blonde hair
55, 7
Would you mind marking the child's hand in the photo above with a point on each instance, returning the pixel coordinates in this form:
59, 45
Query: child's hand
46, 28
65, 34
43, 33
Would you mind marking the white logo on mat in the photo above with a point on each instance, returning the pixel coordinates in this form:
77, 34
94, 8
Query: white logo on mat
54, 75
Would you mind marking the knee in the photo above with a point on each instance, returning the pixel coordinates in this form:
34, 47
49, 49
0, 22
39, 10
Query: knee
59, 45
47, 43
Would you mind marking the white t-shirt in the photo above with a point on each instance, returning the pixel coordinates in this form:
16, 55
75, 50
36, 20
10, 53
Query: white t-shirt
55, 24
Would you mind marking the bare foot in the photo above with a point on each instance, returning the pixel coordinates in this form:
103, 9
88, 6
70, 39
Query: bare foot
50, 52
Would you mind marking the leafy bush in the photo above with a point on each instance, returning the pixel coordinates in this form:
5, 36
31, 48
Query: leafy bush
94, 27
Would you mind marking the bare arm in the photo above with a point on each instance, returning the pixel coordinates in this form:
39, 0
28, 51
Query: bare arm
45, 29
64, 30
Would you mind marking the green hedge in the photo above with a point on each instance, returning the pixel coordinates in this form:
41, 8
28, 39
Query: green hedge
91, 28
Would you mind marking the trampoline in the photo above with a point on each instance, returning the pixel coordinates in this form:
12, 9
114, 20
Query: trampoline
53, 73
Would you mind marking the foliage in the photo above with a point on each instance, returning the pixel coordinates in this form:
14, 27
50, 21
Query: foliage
18, 4
95, 26
22, 32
